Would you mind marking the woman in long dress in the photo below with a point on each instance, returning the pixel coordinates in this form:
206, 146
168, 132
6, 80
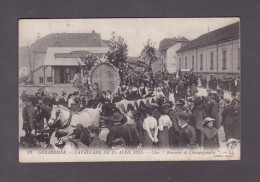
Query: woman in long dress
150, 130
164, 124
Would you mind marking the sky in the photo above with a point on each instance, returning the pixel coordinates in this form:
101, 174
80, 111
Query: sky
136, 31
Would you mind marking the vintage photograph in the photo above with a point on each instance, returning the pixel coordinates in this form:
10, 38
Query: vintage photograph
129, 89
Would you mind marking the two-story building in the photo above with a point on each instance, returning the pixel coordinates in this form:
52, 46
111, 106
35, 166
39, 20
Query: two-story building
168, 50
215, 53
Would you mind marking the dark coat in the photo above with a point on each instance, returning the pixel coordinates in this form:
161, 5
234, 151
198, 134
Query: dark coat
28, 122
97, 143
175, 127
187, 136
119, 131
228, 115
63, 102
135, 135
213, 112
210, 138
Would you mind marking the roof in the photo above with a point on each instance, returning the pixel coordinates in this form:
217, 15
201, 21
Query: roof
70, 56
68, 40
219, 35
168, 42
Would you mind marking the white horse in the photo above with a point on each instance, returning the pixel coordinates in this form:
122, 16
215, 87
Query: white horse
69, 119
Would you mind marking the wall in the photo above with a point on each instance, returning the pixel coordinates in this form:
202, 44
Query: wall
171, 57
32, 89
38, 59
232, 49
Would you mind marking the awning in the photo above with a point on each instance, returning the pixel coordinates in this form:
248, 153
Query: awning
50, 59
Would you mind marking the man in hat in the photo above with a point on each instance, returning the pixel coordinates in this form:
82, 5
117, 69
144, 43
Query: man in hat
96, 89
103, 130
38, 109
28, 122
187, 136
174, 131
143, 90
197, 116
131, 123
96, 143
231, 120
64, 100
118, 131
212, 108
78, 140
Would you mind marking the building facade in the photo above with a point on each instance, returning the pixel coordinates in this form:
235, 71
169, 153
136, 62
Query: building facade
168, 50
216, 53
64, 63
40, 47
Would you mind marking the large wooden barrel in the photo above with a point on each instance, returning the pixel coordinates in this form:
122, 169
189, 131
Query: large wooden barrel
106, 76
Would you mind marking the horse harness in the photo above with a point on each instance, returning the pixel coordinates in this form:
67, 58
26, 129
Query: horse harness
68, 121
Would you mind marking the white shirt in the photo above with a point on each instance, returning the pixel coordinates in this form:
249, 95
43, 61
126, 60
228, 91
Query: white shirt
70, 102
164, 120
149, 123
103, 134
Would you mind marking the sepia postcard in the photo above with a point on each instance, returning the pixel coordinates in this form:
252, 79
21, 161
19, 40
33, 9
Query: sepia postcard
129, 89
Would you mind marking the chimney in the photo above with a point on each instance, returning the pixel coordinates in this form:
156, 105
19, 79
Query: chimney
93, 31
38, 36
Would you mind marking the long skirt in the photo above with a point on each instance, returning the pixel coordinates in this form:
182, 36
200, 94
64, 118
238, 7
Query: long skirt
163, 137
147, 142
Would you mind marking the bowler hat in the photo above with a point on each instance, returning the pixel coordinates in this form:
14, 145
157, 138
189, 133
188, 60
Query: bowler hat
170, 103
180, 102
149, 110
185, 116
94, 129
164, 109
102, 123
117, 117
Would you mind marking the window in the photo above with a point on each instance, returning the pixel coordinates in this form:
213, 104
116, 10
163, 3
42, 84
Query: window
49, 79
180, 63
224, 60
211, 61
186, 63
192, 62
239, 61
40, 79
201, 62
67, 75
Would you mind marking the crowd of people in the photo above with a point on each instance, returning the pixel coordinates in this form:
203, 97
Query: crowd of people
226, 84
148, 118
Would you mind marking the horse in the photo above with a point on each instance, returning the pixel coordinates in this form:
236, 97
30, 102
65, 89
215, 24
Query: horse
65, 120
